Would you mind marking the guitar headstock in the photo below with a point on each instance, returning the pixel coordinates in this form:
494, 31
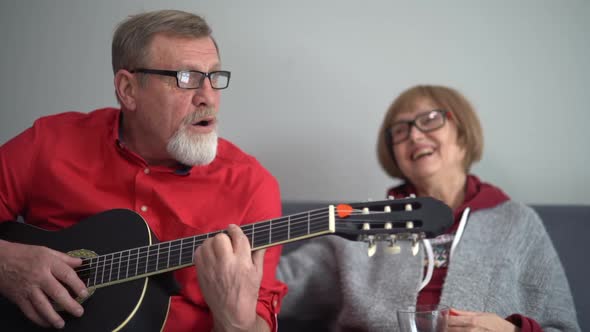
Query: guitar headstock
391, 220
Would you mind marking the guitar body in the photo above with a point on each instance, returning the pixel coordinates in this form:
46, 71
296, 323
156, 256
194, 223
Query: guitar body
136, 305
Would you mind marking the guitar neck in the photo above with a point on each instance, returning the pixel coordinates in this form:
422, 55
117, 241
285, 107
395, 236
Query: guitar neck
167, 256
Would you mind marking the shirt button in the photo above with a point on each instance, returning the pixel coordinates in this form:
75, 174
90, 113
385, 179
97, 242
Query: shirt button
143, 208
146, 171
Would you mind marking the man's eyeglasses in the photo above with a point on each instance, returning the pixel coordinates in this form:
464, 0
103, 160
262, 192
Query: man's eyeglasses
425, 122
192, 79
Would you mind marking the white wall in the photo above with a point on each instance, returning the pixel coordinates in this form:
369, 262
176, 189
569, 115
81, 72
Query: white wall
311, 81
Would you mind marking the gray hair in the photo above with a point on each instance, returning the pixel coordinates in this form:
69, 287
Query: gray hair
130, 48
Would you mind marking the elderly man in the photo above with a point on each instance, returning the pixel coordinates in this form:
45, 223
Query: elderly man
158, 155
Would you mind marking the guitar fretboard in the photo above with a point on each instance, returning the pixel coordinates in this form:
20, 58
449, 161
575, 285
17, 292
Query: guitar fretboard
171, 255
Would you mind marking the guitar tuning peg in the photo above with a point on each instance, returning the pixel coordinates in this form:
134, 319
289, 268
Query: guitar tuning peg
412, 195
409, 224
415, 244
387, 208
390, 197
393, 249
408, 207
370, 239
372, 248
365, 210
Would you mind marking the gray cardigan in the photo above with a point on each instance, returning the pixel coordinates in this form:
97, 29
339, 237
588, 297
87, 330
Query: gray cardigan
504, 263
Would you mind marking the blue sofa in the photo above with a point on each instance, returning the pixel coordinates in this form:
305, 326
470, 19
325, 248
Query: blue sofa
567, 225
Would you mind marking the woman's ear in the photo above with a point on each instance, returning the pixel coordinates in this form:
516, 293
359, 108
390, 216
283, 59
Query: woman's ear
126, 87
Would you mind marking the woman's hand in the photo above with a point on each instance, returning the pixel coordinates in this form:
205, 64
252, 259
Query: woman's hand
460, 320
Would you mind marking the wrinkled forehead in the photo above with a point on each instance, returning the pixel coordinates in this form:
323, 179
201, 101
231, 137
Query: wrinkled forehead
180, 48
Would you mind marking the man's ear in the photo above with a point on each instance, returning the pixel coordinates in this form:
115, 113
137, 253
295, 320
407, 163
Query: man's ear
126, 87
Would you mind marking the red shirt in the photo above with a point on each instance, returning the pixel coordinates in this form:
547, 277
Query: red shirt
72, 165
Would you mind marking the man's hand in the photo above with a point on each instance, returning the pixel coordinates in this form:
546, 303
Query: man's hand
33, 276
460, 320
229, 276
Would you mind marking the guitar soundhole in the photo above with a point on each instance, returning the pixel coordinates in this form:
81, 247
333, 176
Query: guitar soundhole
80, 253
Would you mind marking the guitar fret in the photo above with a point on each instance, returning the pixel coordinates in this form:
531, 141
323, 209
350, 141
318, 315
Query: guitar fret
270, 232
89, 283
102, 275
111, 273
180, 255
137, 263
289, 228
308, 222
106, 271
119, 265
82, 277
177, 247
147, 259
132, 258
168, 260
111, 269
96, 272
157, 257
127, 270
194, 248
187, 255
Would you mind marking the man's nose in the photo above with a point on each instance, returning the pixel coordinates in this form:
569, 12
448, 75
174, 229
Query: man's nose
205, 94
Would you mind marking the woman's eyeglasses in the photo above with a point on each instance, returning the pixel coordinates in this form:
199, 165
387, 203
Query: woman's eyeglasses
425, 122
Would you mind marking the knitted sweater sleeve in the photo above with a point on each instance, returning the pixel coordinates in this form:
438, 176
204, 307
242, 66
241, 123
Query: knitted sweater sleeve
542, 282
506, 264
311, 275
524, 323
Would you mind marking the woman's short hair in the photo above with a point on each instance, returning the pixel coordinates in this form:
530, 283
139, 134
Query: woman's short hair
131, 40
470, 135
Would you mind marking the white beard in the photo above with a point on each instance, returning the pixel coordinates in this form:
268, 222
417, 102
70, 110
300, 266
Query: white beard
192, 149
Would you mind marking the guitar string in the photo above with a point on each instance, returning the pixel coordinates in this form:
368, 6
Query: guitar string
146, 264
149, 254
296, 220
263, 230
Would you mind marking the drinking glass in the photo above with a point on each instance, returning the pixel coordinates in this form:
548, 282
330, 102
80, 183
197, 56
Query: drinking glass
423, 318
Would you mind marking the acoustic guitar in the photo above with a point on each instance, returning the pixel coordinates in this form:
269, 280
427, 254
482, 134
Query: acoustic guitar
125, 267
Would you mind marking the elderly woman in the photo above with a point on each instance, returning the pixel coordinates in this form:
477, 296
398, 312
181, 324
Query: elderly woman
496, 267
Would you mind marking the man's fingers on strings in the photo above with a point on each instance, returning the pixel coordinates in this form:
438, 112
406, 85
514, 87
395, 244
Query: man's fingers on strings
70, 279
45, 309
240, 242
60, 295
71, 261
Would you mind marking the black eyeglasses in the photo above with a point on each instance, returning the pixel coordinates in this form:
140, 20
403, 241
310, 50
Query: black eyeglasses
425, 122
192, 79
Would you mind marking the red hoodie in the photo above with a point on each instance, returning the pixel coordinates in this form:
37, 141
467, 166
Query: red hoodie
478, 196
